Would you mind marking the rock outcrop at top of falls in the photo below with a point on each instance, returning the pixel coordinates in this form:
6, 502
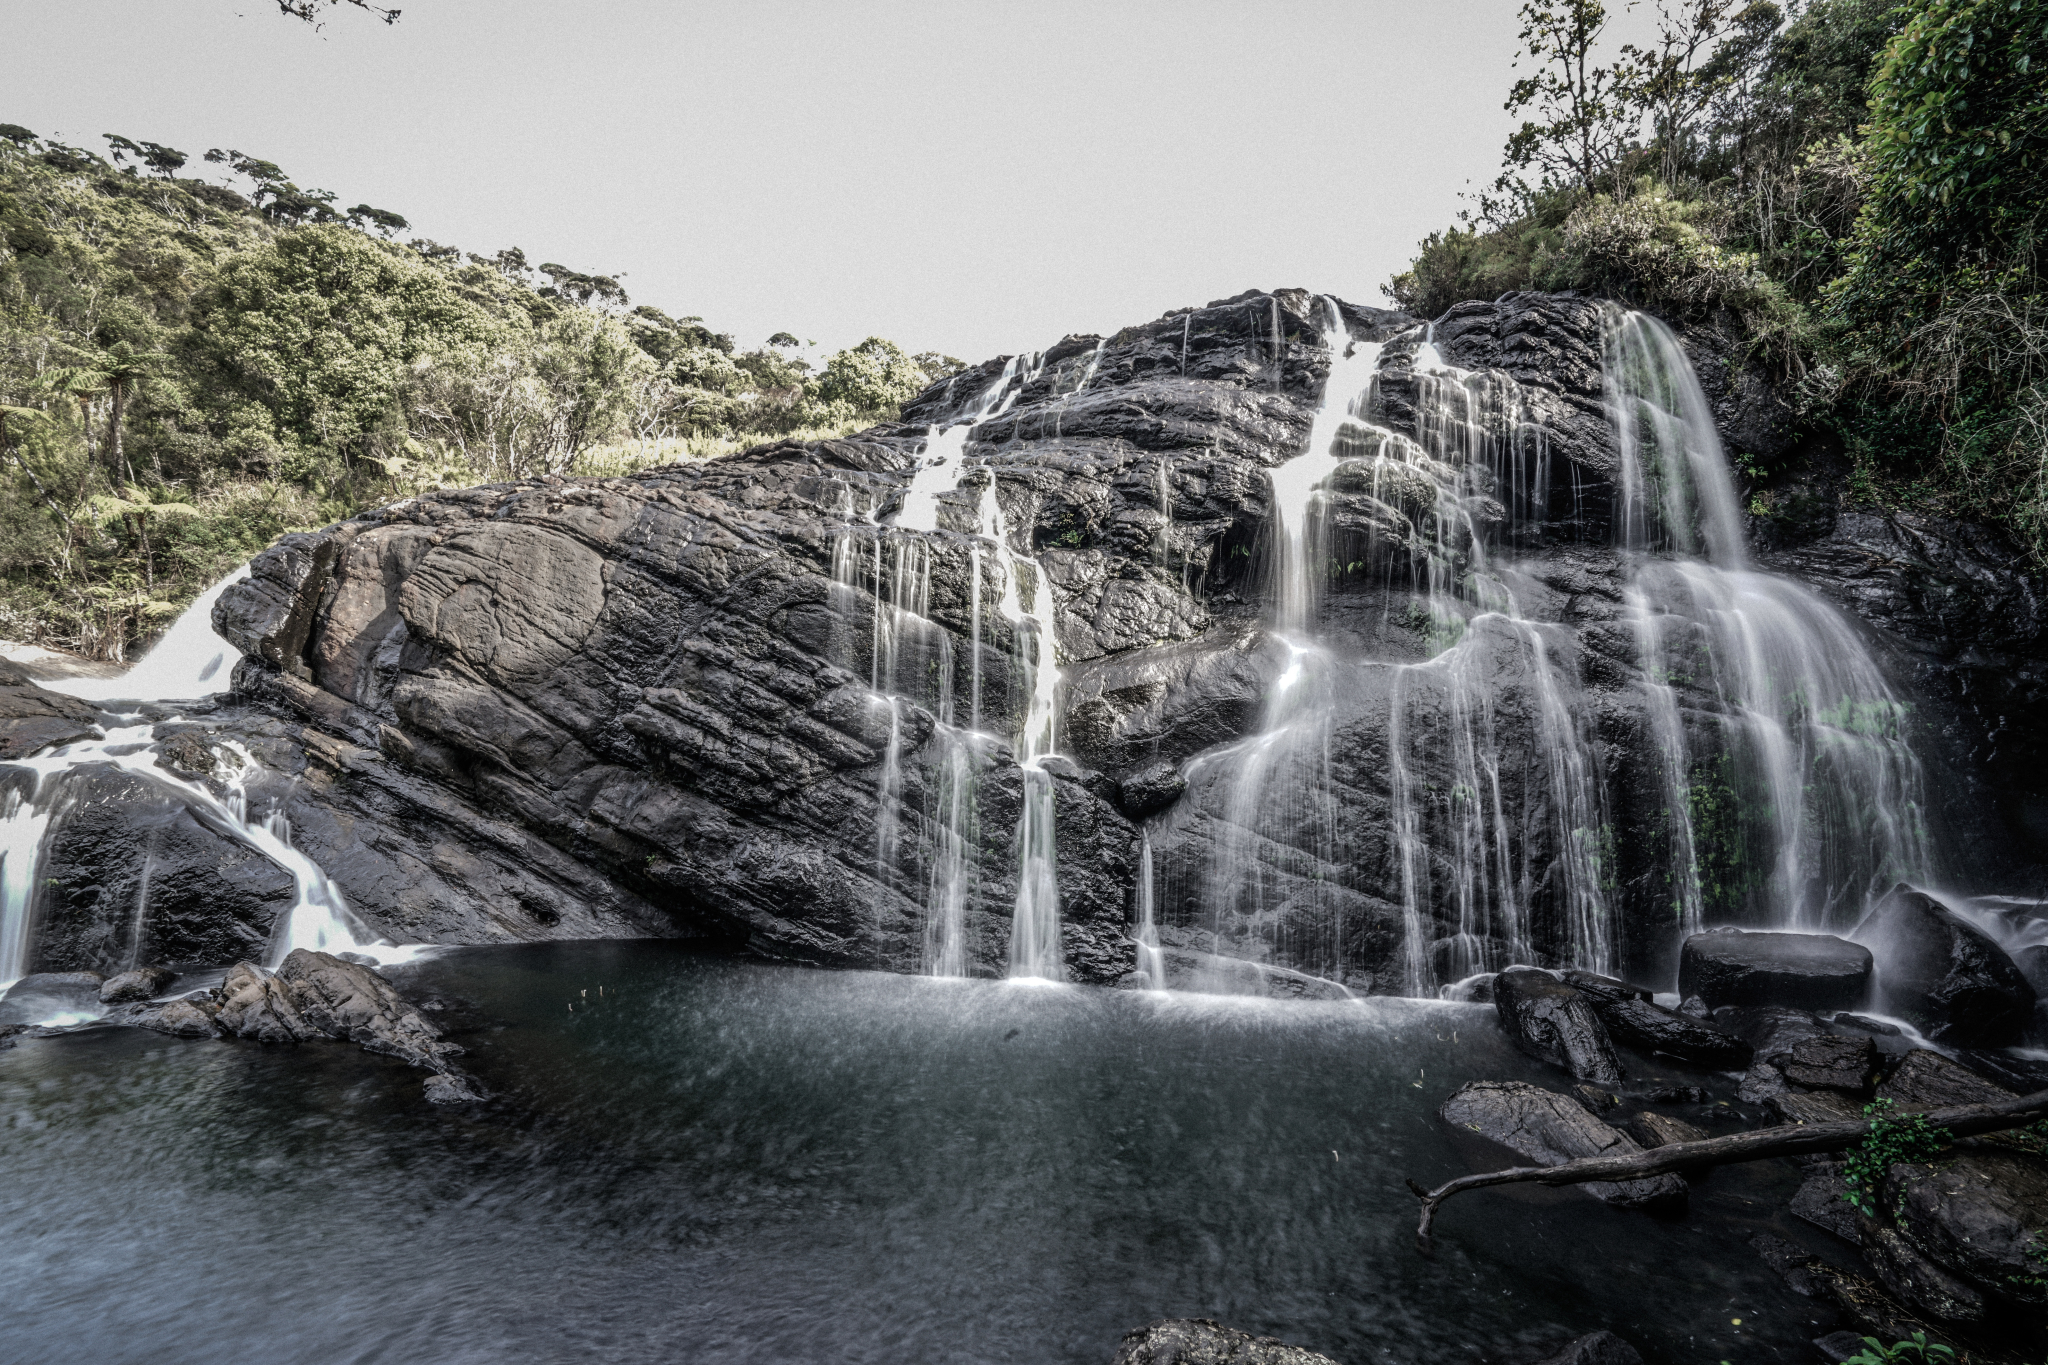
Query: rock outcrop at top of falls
795, 698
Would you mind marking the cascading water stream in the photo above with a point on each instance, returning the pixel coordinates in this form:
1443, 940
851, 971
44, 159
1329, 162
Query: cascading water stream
189, 661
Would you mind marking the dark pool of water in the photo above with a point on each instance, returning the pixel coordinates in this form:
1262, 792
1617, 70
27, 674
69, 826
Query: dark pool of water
716, 1160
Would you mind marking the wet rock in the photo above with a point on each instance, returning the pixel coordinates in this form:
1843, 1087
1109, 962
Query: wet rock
1823, 1201
1838, 1347
452, 1088
1596, 1100
1636, 1023
1555, 1023
1917, 1281
1804, 971
1595, 1348
1944, 974
1978, 1216
1869, 1025
1678, 1094
1653, 1129
33, 719
178, 1018
1203, 1341
1819, 1106
140, 984
1603, 989
348, 1000
1692, 1007
1548, 1129
1864, 1302
1150, 790
2021, 1075
1761, 1083
254, 1004
1925, 1079
1832, 1062
43, 995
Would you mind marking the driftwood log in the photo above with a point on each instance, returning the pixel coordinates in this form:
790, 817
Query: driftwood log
1964, 1120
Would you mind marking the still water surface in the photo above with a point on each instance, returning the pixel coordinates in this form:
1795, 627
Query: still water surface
692, 1158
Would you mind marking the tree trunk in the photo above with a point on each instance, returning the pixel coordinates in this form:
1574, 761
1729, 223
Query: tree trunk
1791, 1139
117, 458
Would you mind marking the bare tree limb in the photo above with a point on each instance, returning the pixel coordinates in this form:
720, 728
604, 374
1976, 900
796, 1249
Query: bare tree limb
1790, 1139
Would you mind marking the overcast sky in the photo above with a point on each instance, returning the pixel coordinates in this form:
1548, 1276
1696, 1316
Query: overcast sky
974, 178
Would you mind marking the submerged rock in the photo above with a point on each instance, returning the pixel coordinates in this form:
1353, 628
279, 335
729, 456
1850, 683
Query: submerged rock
178, 1018
1555, 1023
1549, 1129
1203, 1341
139, 984
1804, 971
1945, 975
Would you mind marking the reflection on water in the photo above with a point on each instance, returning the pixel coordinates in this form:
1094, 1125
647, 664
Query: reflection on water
698, 1159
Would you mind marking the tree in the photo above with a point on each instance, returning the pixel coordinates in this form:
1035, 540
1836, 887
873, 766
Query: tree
116, 372
783, 340
384, 220
1584, 121
1674, 82
574, 284
872, 377
312, 10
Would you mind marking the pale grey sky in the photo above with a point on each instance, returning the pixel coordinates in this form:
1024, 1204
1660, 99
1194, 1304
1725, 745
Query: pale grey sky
976, 178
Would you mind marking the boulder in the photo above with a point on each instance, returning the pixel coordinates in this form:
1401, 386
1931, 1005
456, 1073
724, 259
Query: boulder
1805, 971
1832, 1062
1944, 974
33, 719
1595, 1348
254, 1004
178, 1018
1555, 1023
1653, 1129
1150, 790
44, 995
142, 983
1604, 989
1548, 1129
351, 1001
1915, 1280
1924, 1079
1636, 1023
1981, 1216
1823, 1200
1816, 1106
1203, 1341
449, 1087
1877, 1027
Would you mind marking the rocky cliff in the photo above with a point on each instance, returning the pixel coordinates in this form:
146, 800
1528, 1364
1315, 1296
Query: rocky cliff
730, 700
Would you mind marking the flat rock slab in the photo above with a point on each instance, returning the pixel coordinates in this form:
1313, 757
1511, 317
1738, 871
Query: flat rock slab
1924, 1079
1833, 1062
1549, 1129
1646, 1027
1805, 971
1203, 1341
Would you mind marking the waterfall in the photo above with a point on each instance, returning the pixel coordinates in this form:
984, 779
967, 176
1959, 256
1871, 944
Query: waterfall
911, 663
189, 661
1794, 791
319, 918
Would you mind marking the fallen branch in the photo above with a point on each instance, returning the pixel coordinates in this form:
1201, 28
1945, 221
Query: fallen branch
1966, 1120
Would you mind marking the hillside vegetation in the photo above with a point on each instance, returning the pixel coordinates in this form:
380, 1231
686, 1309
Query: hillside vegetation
189, 369
1855, 187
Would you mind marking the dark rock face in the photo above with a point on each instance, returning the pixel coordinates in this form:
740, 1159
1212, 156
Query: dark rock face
41, 995
1823, 1201
1833, 1062
253, 1004
1555, 1023
1203, 1341
1916, 1280
1947, 976
1636, 1023
1805, 971
1550, 1129
33, 719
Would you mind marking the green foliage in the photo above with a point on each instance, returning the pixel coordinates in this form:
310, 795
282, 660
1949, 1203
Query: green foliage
187, 371
1917, 1349
1891, 1140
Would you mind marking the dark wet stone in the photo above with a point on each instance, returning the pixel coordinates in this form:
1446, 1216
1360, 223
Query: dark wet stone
1548, 1129
1818, 1106
1596, 1100
1917, 1281
1150, 790
1653, 1129
1679, 1094
1944, 974
1555, 1023
1203, 1341
140, 984
33, 719
1803, 971
450, 1088
40, 995
1833, 1062
1924, 1079
1604, 989
1978, 1216
178, 1018
1636, 1023
1868, 1025
1837, 1347
1822, 1200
